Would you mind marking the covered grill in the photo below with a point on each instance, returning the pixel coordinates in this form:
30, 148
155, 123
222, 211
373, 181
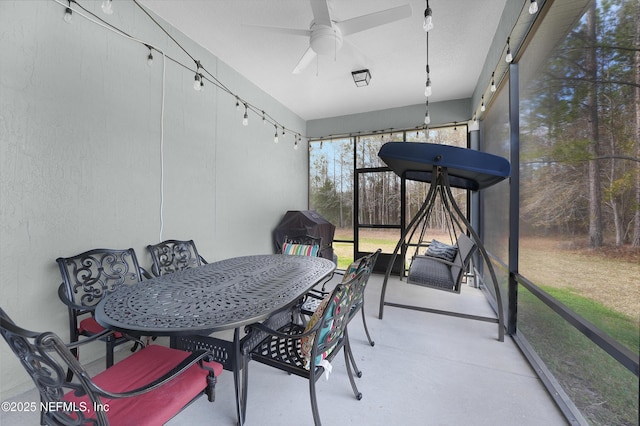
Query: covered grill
305, 222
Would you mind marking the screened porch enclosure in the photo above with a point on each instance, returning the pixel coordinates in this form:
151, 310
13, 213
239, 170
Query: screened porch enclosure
422, 370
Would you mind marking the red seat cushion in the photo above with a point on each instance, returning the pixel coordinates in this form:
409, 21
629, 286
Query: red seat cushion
91, 326
157, 406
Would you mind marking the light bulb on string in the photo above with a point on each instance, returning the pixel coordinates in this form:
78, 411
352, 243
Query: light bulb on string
275, 136
150, 57
264, 118
533, 7
295, 143
107, 7
427, 117
493, 82
427, 88
509, 56
197, 83
237, 104
427, 24
68, 14
482, 107
245, 118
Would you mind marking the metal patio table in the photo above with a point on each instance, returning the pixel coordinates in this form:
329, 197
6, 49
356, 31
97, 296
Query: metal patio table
224, 295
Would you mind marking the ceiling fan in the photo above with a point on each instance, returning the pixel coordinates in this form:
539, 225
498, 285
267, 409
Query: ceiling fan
326, 35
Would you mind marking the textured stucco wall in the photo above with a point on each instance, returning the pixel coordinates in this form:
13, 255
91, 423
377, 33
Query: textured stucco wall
80, 144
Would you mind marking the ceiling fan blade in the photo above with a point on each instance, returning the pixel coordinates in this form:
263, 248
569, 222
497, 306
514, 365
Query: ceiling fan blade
375, 19
356, 56
280, 30
306, 59
321, 13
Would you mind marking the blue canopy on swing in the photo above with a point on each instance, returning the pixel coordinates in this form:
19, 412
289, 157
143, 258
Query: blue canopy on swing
467, 168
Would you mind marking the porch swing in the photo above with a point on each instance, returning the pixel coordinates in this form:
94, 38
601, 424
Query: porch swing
434, 263
442, 266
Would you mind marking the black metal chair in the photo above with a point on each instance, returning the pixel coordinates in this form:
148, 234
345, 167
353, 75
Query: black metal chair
148, 387
86, 279
305, 351
315, 297
174, 255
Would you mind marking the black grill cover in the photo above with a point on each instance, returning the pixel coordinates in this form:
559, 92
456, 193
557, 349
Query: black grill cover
305, 222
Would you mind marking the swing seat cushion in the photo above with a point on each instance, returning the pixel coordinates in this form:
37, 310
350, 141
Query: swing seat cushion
430, 272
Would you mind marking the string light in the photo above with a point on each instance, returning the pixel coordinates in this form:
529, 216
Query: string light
295, 143
245, 118
509, 57
500, 69
427, 89
199, 76
198, 83
68, 14
427, 117
427, 25
150, 57
107, 7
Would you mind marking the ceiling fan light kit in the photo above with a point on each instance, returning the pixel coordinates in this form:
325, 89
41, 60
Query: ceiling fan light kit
361, 77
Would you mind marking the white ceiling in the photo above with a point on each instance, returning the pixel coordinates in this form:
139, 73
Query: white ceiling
395, 53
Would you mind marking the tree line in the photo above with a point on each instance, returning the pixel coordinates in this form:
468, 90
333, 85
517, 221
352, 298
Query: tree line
580, 143
580, 140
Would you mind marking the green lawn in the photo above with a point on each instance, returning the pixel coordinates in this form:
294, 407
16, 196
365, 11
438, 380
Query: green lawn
604, 391
602, 290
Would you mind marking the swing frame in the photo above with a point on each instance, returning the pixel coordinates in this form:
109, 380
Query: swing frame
440, 185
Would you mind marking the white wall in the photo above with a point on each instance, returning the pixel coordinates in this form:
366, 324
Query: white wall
408, 117
80, 132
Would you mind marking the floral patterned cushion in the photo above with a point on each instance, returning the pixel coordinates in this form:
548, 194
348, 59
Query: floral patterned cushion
306, 343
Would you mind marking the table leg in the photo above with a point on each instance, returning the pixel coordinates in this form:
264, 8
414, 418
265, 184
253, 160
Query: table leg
237, 365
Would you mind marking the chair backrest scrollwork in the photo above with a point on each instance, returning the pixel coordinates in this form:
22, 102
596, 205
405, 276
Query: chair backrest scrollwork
174, 255
91, 275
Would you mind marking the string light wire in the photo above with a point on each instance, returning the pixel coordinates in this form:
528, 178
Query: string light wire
507, 57
204, 74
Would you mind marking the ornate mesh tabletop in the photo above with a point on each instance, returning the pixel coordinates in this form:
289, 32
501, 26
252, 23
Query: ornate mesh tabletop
218, 296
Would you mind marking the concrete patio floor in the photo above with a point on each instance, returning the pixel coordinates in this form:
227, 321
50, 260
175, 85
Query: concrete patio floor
425, 369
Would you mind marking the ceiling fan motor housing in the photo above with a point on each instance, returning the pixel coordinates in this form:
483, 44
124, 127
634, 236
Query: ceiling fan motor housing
325, 39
